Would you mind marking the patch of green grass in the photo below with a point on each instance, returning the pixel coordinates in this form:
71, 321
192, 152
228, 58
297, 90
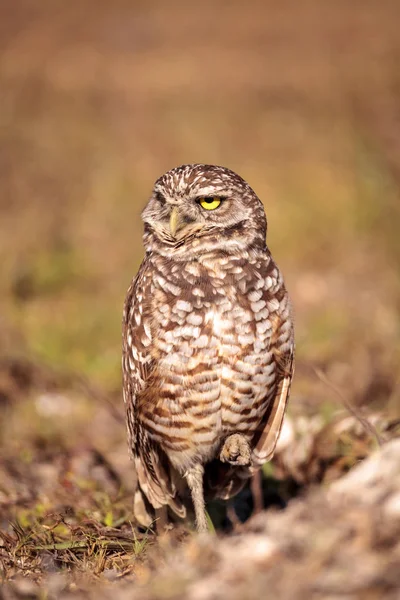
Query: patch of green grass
81, 335
48, 272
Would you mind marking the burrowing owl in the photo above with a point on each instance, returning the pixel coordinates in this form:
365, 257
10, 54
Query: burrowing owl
207, 342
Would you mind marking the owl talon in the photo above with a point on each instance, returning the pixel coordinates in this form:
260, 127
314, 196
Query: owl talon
236, 450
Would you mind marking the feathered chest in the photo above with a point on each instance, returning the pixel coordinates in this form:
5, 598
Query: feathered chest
206, 333
211, 315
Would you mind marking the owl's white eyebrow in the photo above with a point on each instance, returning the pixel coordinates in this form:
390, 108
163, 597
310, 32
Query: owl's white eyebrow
210, 191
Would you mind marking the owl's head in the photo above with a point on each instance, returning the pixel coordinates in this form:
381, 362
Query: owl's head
197, 208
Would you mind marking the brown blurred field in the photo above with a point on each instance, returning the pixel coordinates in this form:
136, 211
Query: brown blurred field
97, 99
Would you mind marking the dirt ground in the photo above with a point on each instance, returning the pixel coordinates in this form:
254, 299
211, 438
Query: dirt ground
96, 101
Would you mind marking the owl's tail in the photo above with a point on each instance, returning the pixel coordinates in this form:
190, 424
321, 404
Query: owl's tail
157, 486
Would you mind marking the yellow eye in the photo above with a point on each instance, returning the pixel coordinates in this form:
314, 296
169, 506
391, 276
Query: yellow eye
210, 203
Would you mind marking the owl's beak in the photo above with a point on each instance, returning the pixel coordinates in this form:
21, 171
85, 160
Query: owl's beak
175, 221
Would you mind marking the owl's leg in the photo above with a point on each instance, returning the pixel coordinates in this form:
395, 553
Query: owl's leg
161, 520
194, 478
236, 450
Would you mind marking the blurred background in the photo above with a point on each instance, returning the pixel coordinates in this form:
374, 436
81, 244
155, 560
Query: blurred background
98, 99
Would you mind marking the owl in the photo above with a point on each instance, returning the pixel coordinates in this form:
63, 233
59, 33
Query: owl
208, 344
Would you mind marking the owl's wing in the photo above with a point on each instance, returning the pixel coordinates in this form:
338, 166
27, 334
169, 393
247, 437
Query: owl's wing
136, 357
282, 347
155, 476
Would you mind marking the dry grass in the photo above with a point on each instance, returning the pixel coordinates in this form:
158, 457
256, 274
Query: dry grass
96, 101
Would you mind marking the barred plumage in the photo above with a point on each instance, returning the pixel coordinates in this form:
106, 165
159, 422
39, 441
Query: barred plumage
207, 342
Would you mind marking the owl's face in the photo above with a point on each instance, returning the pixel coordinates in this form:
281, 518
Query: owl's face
195, 207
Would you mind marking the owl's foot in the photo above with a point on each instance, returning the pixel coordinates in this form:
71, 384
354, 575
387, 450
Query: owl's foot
236, 450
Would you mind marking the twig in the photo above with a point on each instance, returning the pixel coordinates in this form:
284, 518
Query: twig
369, 428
